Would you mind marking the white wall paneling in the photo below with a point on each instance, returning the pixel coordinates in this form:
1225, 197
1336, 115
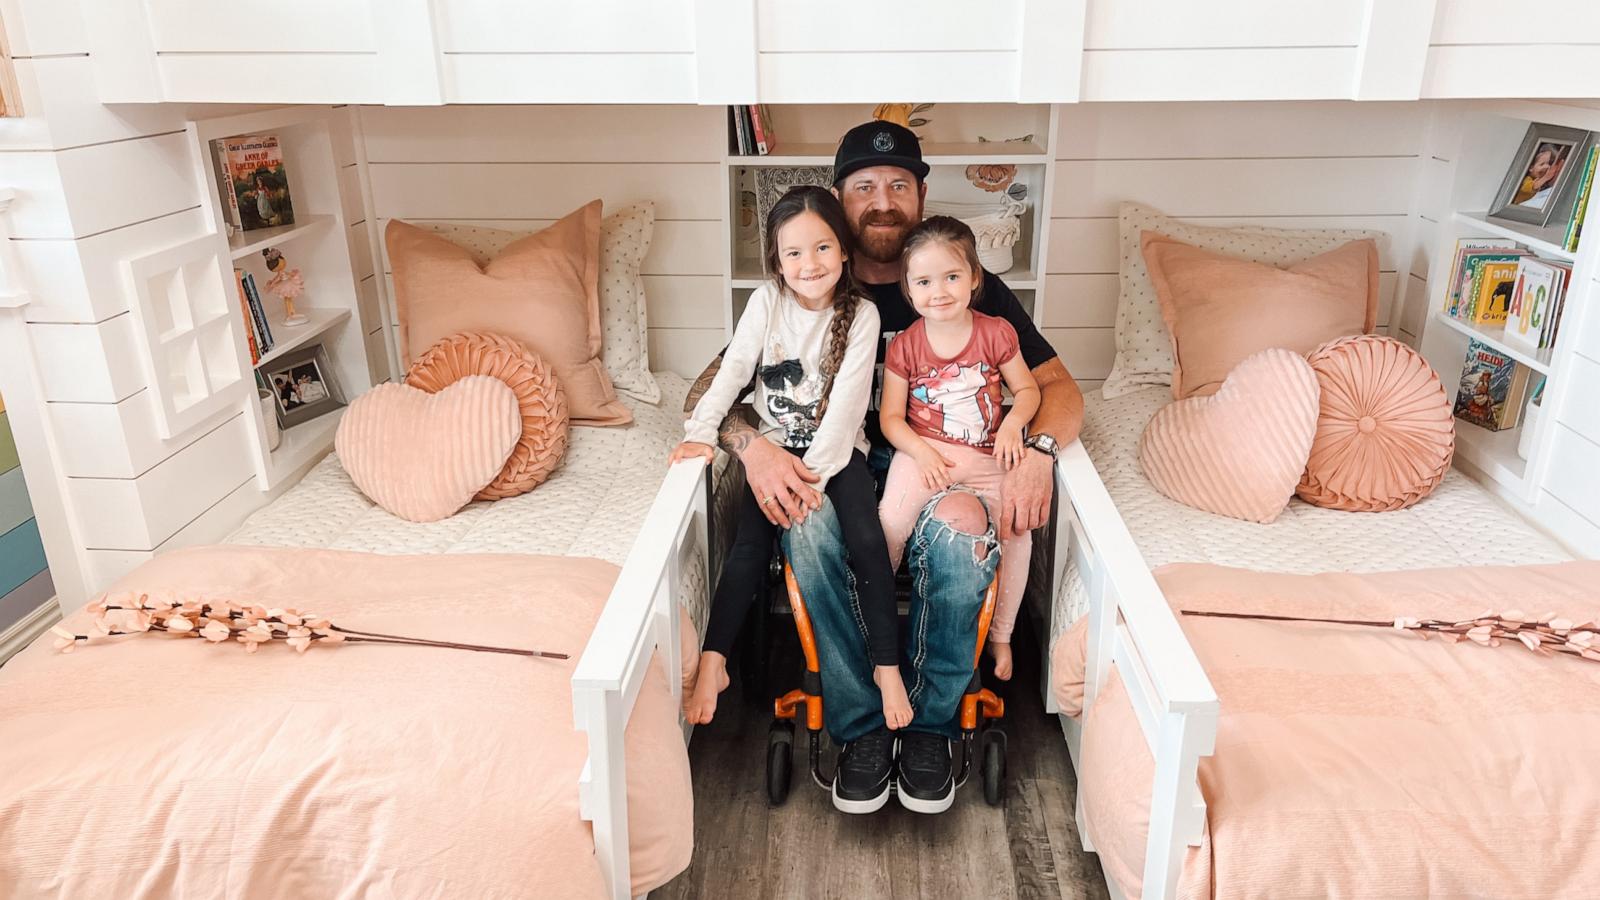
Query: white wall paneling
81, 281
1393, 49
1171, 24
288, 26
87, 190
98, 363
1245, 73
65, 85
1050, 64
104, 567
598, 26
44, 29
1513, 70
1484, 22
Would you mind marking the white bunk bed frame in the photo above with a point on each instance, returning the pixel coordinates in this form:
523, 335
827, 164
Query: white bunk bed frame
1132, 627
640, 621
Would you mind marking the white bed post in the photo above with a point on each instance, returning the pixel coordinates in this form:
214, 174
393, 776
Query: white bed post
1176, 808
606, 803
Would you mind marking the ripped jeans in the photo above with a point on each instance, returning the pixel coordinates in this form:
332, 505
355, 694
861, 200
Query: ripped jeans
950, 571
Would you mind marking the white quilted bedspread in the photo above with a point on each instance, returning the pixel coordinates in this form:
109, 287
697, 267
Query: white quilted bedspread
593, 505
1459, 524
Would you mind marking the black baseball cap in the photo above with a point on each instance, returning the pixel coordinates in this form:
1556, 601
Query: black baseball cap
878, 144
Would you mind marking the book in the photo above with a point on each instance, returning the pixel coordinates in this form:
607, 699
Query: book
1531, 303
1486, 377
758, 119
1579, 205
1492, 298
766, 125
1509, 415
249, 323
225, 192
1458, 266
258, 313
260, 182
1552, 322
749, 130
1468, 282
741, 140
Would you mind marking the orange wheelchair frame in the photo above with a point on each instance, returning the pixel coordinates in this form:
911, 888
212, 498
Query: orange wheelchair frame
981, 710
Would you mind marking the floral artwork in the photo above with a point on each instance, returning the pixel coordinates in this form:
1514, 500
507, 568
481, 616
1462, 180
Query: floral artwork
220, 621
1545, 635
992, 178
911, 115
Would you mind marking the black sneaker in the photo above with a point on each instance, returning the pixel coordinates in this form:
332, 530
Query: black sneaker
926, 783
866, 769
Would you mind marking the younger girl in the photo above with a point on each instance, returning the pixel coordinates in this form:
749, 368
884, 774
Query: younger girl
948, 366
811, 339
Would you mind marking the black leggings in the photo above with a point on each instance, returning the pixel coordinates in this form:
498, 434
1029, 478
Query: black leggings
855, 503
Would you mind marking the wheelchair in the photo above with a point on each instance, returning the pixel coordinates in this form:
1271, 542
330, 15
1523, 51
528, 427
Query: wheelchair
980, 715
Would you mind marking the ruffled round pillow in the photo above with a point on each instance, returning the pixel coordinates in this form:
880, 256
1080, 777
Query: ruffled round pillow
539, 398
1385, 435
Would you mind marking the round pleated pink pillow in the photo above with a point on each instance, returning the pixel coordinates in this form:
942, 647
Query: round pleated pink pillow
1385, 435
540, 400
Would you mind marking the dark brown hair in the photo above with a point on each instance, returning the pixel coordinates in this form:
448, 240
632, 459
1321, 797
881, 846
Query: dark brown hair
847, 294
949, 231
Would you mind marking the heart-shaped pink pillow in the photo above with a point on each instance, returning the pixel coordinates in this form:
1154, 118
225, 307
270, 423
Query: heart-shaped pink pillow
1239, 452
423, 456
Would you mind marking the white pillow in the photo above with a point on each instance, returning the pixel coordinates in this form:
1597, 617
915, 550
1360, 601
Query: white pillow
624, 241
1144, 347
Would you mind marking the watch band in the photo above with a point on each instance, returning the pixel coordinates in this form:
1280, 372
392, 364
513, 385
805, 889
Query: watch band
1043, 443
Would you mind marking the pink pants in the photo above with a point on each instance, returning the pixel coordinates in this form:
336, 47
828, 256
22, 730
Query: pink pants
904, 497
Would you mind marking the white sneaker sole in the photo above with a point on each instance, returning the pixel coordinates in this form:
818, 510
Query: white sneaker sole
925, 806
861, 807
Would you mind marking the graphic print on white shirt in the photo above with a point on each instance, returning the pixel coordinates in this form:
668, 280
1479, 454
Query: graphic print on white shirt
792, 395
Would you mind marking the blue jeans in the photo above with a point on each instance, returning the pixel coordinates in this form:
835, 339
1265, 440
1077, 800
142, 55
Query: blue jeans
950, 571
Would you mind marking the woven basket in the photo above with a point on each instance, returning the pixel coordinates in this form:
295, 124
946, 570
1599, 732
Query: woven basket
996, 227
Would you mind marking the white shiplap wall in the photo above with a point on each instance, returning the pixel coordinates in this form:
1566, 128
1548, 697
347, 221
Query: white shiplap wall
527, 166
1279, 165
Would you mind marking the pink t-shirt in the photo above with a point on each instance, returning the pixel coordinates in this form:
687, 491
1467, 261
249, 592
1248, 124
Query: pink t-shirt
955, 400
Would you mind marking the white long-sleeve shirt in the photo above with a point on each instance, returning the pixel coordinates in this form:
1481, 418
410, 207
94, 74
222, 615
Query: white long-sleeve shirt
783, 343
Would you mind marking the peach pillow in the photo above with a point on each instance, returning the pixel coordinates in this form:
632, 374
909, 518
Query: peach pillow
1239, 452
1220, 310
541, 290
540, 402
422, 456
1385, 433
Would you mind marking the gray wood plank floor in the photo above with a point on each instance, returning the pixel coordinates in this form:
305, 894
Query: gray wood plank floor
1027, 848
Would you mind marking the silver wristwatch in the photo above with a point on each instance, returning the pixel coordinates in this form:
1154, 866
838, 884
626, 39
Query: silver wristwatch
1044, 443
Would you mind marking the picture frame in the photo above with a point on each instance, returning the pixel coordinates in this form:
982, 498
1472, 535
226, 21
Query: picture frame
303, 385
772, 182
1537, 189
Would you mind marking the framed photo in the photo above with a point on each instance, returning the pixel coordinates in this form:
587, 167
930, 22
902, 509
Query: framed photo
1536, 187
302, 385
772, 182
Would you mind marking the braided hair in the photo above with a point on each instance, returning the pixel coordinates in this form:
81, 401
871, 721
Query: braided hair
848, 295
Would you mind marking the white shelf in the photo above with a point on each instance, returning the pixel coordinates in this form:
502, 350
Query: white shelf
244, 243
934, 154
1544, 241
1494, 453
1016, 279
1537, 360
303, 443
293, 338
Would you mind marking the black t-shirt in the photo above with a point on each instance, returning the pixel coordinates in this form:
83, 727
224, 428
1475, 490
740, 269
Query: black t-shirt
896, 314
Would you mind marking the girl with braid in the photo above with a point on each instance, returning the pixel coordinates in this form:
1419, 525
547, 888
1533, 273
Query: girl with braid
810, 339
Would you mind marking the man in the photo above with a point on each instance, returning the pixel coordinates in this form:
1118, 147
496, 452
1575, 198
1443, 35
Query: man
879, 176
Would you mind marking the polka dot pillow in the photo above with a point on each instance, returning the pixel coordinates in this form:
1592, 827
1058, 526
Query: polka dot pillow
624, 240
1144, 347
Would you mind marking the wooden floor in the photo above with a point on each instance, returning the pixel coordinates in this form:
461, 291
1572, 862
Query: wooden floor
1027, 848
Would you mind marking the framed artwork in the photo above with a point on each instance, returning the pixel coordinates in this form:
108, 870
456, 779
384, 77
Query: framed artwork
302, 385
1536, 187
772, 182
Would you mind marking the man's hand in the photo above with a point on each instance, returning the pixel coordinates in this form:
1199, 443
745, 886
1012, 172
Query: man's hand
1025, 494
780, 481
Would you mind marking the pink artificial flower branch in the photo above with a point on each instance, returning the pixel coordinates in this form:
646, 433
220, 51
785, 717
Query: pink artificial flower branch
1543, 635
250, 625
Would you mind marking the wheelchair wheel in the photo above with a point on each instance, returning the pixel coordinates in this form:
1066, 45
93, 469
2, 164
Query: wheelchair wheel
780, 761
994, 766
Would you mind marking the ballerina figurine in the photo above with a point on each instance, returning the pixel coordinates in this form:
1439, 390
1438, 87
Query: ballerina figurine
286, 284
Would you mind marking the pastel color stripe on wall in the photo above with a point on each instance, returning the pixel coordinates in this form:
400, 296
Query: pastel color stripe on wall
34, 593
14, 506
8, 445
21, 556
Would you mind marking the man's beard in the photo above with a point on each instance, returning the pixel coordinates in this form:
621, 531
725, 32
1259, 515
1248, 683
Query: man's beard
881, 245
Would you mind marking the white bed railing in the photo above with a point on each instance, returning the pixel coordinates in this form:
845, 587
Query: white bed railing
1132, 627
640, 620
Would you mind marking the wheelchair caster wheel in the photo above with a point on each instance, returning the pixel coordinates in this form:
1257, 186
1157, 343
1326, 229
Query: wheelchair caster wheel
994, 766
780, 761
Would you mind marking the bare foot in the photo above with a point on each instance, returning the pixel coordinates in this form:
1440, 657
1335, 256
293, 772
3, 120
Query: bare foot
1002, 660
711, 680
896, 704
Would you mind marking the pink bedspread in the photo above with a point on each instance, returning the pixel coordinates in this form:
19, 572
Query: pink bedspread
155, 766
1357, 762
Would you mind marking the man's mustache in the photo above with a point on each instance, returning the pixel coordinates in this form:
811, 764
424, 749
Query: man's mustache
882, 217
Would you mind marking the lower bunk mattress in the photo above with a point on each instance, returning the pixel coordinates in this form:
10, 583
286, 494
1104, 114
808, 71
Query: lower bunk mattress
158, 766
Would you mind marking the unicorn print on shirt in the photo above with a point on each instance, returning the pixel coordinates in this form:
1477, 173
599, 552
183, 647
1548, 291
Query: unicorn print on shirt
956, 401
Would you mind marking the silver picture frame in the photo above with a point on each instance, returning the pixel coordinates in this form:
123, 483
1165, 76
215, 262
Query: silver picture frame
303, 385
1522, 198
772, 182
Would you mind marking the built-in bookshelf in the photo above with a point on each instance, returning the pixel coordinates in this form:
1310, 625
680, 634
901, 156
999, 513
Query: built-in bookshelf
318, 244
1513, 459
806, 136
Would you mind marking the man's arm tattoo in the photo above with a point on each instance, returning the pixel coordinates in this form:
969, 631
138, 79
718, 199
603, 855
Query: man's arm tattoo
736, 432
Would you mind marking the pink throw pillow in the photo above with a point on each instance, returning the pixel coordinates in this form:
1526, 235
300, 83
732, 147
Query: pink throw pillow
1241, 451
423, 456
1220, 309
1385, 433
